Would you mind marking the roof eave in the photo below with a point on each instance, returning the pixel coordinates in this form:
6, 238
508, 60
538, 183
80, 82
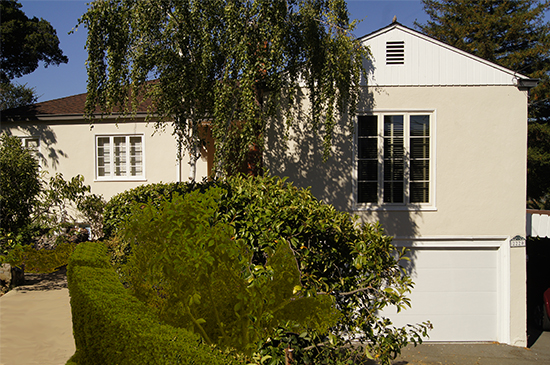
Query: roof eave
73, 117
527, 83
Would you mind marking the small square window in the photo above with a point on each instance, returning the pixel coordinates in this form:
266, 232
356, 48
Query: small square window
33, 145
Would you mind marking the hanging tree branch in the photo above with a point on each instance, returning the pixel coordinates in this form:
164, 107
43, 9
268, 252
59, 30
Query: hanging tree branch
214, 59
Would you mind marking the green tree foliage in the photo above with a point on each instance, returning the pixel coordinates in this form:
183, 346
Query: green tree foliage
514, 34
30, 206
197, 275
64, 202
19, 185
538, 166
355, 264
232, 63
15, 95
25, 42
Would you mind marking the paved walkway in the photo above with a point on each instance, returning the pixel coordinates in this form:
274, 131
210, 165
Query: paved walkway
36, 329
477, 354
35, 322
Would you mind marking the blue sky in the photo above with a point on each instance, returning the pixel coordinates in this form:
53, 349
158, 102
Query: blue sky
70, 79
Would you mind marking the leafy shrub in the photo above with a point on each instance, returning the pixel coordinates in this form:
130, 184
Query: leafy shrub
120, 205
64, 202
357, 264
31, 207
40, 261
19, 187
91, 208
112, 327
118, 251
189, 269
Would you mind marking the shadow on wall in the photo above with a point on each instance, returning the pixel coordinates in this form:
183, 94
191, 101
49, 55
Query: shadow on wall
48, 153
294, 149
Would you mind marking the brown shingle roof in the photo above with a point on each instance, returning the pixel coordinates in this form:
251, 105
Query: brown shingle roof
70, 105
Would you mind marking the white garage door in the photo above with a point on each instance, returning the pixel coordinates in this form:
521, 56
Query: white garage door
456, 289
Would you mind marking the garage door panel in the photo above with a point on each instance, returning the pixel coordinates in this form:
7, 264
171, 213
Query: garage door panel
457, 280
453, 328
456, 290
464, 304
453, 258
453, 303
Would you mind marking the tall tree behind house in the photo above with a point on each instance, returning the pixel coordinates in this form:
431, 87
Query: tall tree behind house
514, 34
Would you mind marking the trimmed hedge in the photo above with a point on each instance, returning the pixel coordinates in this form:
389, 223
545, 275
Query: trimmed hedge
119, 207
40, 261
112, 327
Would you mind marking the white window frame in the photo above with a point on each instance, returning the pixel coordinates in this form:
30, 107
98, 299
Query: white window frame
406, 205
35, 152
111, 176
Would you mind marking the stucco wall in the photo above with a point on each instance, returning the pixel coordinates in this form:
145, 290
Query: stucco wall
480, 161
479, 173
68, 147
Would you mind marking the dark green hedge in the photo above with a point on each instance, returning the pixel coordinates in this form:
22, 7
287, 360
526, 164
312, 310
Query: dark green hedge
119, 207
112, 327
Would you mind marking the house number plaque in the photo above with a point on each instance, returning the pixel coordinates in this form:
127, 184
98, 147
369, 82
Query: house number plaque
517, 241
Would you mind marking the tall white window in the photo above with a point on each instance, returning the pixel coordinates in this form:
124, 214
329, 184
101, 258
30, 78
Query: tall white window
394, 159
119, 157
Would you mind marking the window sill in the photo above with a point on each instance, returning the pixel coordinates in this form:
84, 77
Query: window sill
138, 179
394, 208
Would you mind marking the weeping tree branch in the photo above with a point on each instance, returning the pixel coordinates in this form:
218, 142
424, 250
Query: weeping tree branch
209, 60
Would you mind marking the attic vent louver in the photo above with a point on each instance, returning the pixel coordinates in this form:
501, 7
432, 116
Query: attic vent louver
395, 53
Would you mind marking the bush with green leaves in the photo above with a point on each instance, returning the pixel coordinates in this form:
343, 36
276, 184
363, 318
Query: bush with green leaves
355, 264
31, 206
196, 275
119, 206
19, 187
64, 202
41, 261
112, 327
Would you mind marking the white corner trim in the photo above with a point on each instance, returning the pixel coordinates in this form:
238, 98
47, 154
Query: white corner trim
504, 294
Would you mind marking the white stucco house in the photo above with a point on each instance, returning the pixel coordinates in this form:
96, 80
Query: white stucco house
113, 153
438, 157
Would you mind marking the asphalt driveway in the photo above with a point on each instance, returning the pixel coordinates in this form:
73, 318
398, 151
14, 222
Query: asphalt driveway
478, 353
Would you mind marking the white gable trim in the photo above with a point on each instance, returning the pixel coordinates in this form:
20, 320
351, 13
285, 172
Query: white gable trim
450, 67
